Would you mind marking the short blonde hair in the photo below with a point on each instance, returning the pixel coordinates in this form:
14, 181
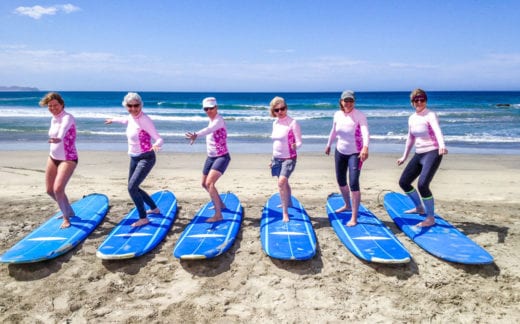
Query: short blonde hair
418, 93
131, 96
275, 101
50, 97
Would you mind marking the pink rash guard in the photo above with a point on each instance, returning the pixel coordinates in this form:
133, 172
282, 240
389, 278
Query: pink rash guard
216, 137
63, 127
424, 131
140, 131
351, 131
286, 132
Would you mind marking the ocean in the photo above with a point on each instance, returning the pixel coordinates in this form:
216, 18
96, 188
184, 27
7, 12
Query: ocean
473, 122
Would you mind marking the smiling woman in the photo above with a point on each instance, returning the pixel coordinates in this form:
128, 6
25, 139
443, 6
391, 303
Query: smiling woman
63, 156
140, 132
218, 157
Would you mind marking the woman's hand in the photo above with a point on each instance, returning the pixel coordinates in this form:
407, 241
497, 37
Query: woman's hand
363, 155
54, 140
191, 136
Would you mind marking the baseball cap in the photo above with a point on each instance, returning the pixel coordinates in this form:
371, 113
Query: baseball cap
209, 102
348, 94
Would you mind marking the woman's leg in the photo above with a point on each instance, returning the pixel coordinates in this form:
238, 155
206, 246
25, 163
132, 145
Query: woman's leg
341, 166
285, 191
354, 173
210, 184
50, 176
431, 162
64, 172
410, 173
140, 167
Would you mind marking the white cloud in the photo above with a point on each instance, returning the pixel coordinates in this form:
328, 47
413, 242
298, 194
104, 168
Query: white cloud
68, 8
37, 12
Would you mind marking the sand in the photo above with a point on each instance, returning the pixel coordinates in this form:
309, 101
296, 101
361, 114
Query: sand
479, 194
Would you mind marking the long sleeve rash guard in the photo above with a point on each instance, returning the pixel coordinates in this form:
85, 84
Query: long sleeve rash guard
216, 137
286, 132
140, 131
351, 131
63, 127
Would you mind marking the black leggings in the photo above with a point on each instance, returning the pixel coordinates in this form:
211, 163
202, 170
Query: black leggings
424, 166
348, 163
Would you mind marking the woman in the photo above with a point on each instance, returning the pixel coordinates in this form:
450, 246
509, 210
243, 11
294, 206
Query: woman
63, 157
423, 131
287, 137
140, 131
218, 154
350, 128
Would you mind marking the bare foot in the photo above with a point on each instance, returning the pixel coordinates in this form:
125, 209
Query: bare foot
214, 219
285, 218
342, 209
352, 223
288, 206
429, 221
414, 211
153, 211
141, 222
66, 223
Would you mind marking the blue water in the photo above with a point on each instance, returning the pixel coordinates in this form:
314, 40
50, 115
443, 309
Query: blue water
477, 122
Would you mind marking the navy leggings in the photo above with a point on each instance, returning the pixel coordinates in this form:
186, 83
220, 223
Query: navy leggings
424, 166
348, 163
140, 166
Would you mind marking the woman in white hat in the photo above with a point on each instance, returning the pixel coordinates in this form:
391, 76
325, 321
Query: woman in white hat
218, 155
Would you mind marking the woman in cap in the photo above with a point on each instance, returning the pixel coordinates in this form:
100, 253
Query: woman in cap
350, 129
218, 155
423, 131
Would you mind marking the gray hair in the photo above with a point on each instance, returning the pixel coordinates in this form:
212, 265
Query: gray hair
131, 96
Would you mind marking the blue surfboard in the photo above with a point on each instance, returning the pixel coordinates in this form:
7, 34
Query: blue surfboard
202, 240
442, 240
294, 240
49, 240
125, 241
370, 239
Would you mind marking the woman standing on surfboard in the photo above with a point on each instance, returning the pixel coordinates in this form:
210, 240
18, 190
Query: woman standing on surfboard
218, 154
63, 157
423, 131
140, 131
287, 137
350, 128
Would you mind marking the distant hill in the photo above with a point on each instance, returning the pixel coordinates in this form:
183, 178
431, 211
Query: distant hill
17, 88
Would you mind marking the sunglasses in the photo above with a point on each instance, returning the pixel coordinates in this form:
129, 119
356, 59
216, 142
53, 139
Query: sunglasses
208, 108
279, 109
416, 100
133, 106
348, 100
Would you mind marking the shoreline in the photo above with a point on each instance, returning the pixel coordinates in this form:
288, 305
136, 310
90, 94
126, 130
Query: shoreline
181, 147
478, 194
379, 172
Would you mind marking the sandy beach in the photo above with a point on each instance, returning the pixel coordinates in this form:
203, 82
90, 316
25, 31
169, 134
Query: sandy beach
479, 194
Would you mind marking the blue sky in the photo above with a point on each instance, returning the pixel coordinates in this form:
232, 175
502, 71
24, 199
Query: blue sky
292, 45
